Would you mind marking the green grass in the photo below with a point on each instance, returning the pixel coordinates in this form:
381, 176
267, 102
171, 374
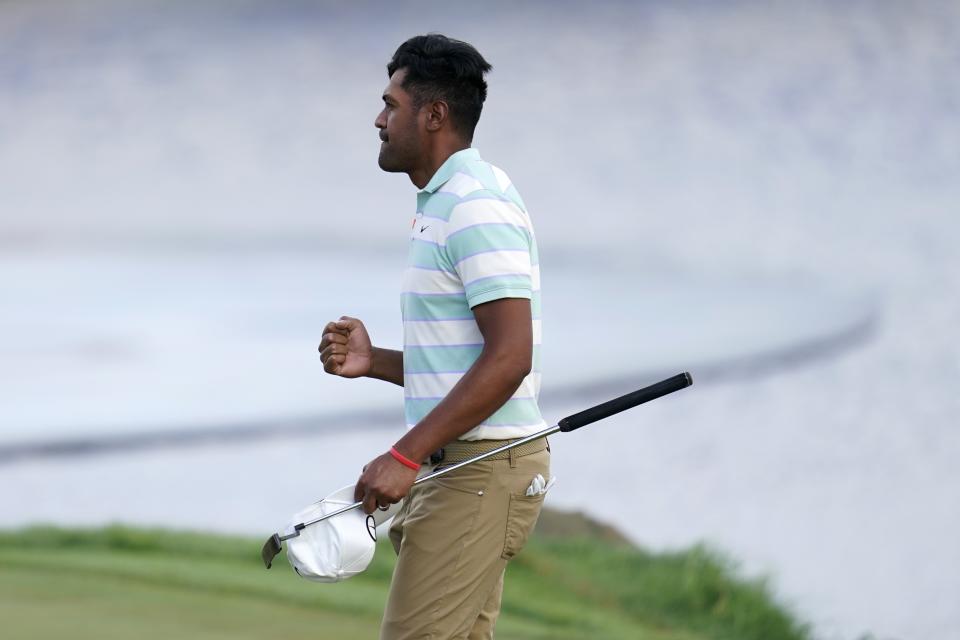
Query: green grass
120, 582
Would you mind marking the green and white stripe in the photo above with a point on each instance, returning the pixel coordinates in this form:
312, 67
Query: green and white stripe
471, 242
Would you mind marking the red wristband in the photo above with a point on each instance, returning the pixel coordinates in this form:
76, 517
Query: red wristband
404, 460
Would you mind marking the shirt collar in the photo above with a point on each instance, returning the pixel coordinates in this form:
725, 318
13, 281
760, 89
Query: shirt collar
450, 166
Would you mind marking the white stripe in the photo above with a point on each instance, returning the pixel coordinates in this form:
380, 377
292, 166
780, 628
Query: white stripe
460, 185
441, 332
534, 275
452, 332
502, 432
431, 231
503, 181
486, 211
530, 387
429, 281
495, 263
438, 385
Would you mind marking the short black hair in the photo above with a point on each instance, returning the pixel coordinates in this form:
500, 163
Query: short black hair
441, 68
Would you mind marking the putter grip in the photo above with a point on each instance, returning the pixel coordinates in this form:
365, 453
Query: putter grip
611, 407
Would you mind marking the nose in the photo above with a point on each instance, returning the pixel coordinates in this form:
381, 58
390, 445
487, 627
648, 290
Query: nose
381, 120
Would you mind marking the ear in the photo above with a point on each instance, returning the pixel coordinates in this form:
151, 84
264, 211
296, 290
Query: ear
437, 114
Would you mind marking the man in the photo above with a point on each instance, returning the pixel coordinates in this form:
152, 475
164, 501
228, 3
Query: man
470, 306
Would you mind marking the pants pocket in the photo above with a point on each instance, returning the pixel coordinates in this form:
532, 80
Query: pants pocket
522, 515
472, 479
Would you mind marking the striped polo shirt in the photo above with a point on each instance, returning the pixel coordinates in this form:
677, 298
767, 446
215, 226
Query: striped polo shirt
471, 242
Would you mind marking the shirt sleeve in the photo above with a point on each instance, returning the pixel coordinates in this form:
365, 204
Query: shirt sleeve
489, 243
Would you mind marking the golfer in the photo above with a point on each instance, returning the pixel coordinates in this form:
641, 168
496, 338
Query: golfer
470, 363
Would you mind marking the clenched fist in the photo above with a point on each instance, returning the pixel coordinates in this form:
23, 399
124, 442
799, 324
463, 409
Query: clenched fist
345, 348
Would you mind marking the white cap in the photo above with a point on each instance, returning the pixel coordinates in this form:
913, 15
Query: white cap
339, 547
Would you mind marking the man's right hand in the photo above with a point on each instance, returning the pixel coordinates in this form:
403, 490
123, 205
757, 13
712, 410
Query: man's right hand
345, 348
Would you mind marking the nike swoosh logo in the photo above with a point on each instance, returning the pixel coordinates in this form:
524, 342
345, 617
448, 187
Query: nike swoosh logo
422, 229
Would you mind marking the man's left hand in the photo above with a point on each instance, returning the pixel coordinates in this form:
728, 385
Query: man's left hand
384, 481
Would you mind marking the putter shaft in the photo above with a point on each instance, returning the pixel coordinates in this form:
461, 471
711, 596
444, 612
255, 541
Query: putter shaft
430, 476
570, 423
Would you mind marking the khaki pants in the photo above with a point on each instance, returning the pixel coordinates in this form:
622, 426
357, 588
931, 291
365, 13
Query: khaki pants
454, 537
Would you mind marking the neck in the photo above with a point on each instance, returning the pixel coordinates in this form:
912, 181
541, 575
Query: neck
434, 159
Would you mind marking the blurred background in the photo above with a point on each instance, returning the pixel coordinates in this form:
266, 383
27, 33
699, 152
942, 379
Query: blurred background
764, 194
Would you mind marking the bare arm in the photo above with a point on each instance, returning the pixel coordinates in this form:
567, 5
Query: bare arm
503, 364
505, 360
387, 365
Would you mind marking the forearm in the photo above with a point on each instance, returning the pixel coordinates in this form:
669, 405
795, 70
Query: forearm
386, 364
483, 389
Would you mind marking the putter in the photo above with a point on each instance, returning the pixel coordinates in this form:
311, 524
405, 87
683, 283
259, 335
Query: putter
274, 543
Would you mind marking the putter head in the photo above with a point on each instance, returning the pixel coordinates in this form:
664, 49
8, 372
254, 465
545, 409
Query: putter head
271, 548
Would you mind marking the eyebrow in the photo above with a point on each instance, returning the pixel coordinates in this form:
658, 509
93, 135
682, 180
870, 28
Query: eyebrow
388, 98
